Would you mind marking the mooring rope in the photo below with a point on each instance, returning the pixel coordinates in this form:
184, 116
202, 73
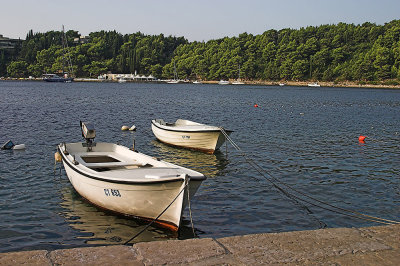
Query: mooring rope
190, 210
155, 219
273, 180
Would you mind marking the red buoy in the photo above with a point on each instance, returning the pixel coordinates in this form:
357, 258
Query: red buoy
256, 105
361, 138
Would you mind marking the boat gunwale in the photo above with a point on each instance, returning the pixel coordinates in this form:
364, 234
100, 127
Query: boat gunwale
188, 131
154, 181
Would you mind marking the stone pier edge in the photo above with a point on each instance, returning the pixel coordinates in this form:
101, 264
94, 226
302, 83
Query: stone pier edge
379, 245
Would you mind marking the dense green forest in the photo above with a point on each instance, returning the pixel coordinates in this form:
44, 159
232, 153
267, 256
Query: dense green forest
366, 52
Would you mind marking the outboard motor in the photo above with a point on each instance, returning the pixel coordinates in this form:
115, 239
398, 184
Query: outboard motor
88, 133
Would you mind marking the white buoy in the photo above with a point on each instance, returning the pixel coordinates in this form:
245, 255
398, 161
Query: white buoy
19, 147
124, 128
133, 128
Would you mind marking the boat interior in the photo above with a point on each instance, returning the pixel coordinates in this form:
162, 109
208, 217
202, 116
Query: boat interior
106, 161
162, 122
179, 122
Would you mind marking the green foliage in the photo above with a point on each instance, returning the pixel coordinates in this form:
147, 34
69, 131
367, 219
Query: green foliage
366, 52
17, 69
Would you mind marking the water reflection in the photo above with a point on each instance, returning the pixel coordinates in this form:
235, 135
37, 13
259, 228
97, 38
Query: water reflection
210, 165
101, 228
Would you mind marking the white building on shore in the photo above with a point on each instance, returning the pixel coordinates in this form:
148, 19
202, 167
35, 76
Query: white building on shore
127, 77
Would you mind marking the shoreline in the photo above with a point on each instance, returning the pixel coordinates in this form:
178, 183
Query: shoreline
376, 245
344, 84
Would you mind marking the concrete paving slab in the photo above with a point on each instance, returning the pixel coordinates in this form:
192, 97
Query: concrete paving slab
294, 247
387, 257
389, 235
378, 245
108, 255
178, 251
35, 257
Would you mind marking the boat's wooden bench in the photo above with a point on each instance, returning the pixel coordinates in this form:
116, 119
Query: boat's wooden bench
104, 160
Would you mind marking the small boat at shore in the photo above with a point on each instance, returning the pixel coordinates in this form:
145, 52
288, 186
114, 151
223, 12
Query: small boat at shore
315, 85
173, 81
56, 78
239, 80
189, 134
127, 182
223, 82
65, 76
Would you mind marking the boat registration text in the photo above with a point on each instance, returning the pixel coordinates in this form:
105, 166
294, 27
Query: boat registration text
112, 192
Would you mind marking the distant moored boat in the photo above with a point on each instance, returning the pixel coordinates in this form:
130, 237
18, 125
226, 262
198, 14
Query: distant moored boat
189, 134
56, 78
223, 82
315, 84
66, 57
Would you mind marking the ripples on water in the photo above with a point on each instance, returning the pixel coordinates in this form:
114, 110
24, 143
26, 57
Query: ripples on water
307, 137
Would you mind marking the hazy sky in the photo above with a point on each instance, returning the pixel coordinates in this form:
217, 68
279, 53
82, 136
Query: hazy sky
195, 20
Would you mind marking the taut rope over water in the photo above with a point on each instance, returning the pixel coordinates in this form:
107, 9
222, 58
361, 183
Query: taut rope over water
329, 207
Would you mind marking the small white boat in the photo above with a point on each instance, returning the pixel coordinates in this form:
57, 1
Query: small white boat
223, 82
189, 134
239, 80
197, 82
282, 84
127, 182
122, 80
315, 84
173, 81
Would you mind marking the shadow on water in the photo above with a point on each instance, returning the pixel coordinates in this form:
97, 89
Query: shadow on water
99, 227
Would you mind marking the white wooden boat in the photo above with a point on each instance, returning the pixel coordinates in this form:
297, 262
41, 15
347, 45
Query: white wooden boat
189, 134
223, 82
127, 182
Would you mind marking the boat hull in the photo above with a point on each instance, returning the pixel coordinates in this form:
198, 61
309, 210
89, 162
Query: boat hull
137, 201
140, 199
207, 141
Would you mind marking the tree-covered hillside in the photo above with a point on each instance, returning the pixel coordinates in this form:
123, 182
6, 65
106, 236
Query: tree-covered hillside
366, 52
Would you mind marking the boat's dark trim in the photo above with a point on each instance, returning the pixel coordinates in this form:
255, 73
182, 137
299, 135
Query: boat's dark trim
188, 131
117, 181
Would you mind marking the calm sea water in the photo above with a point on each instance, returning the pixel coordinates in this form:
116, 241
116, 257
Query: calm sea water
306, 137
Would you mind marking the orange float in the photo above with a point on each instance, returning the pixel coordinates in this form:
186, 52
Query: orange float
361, 138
